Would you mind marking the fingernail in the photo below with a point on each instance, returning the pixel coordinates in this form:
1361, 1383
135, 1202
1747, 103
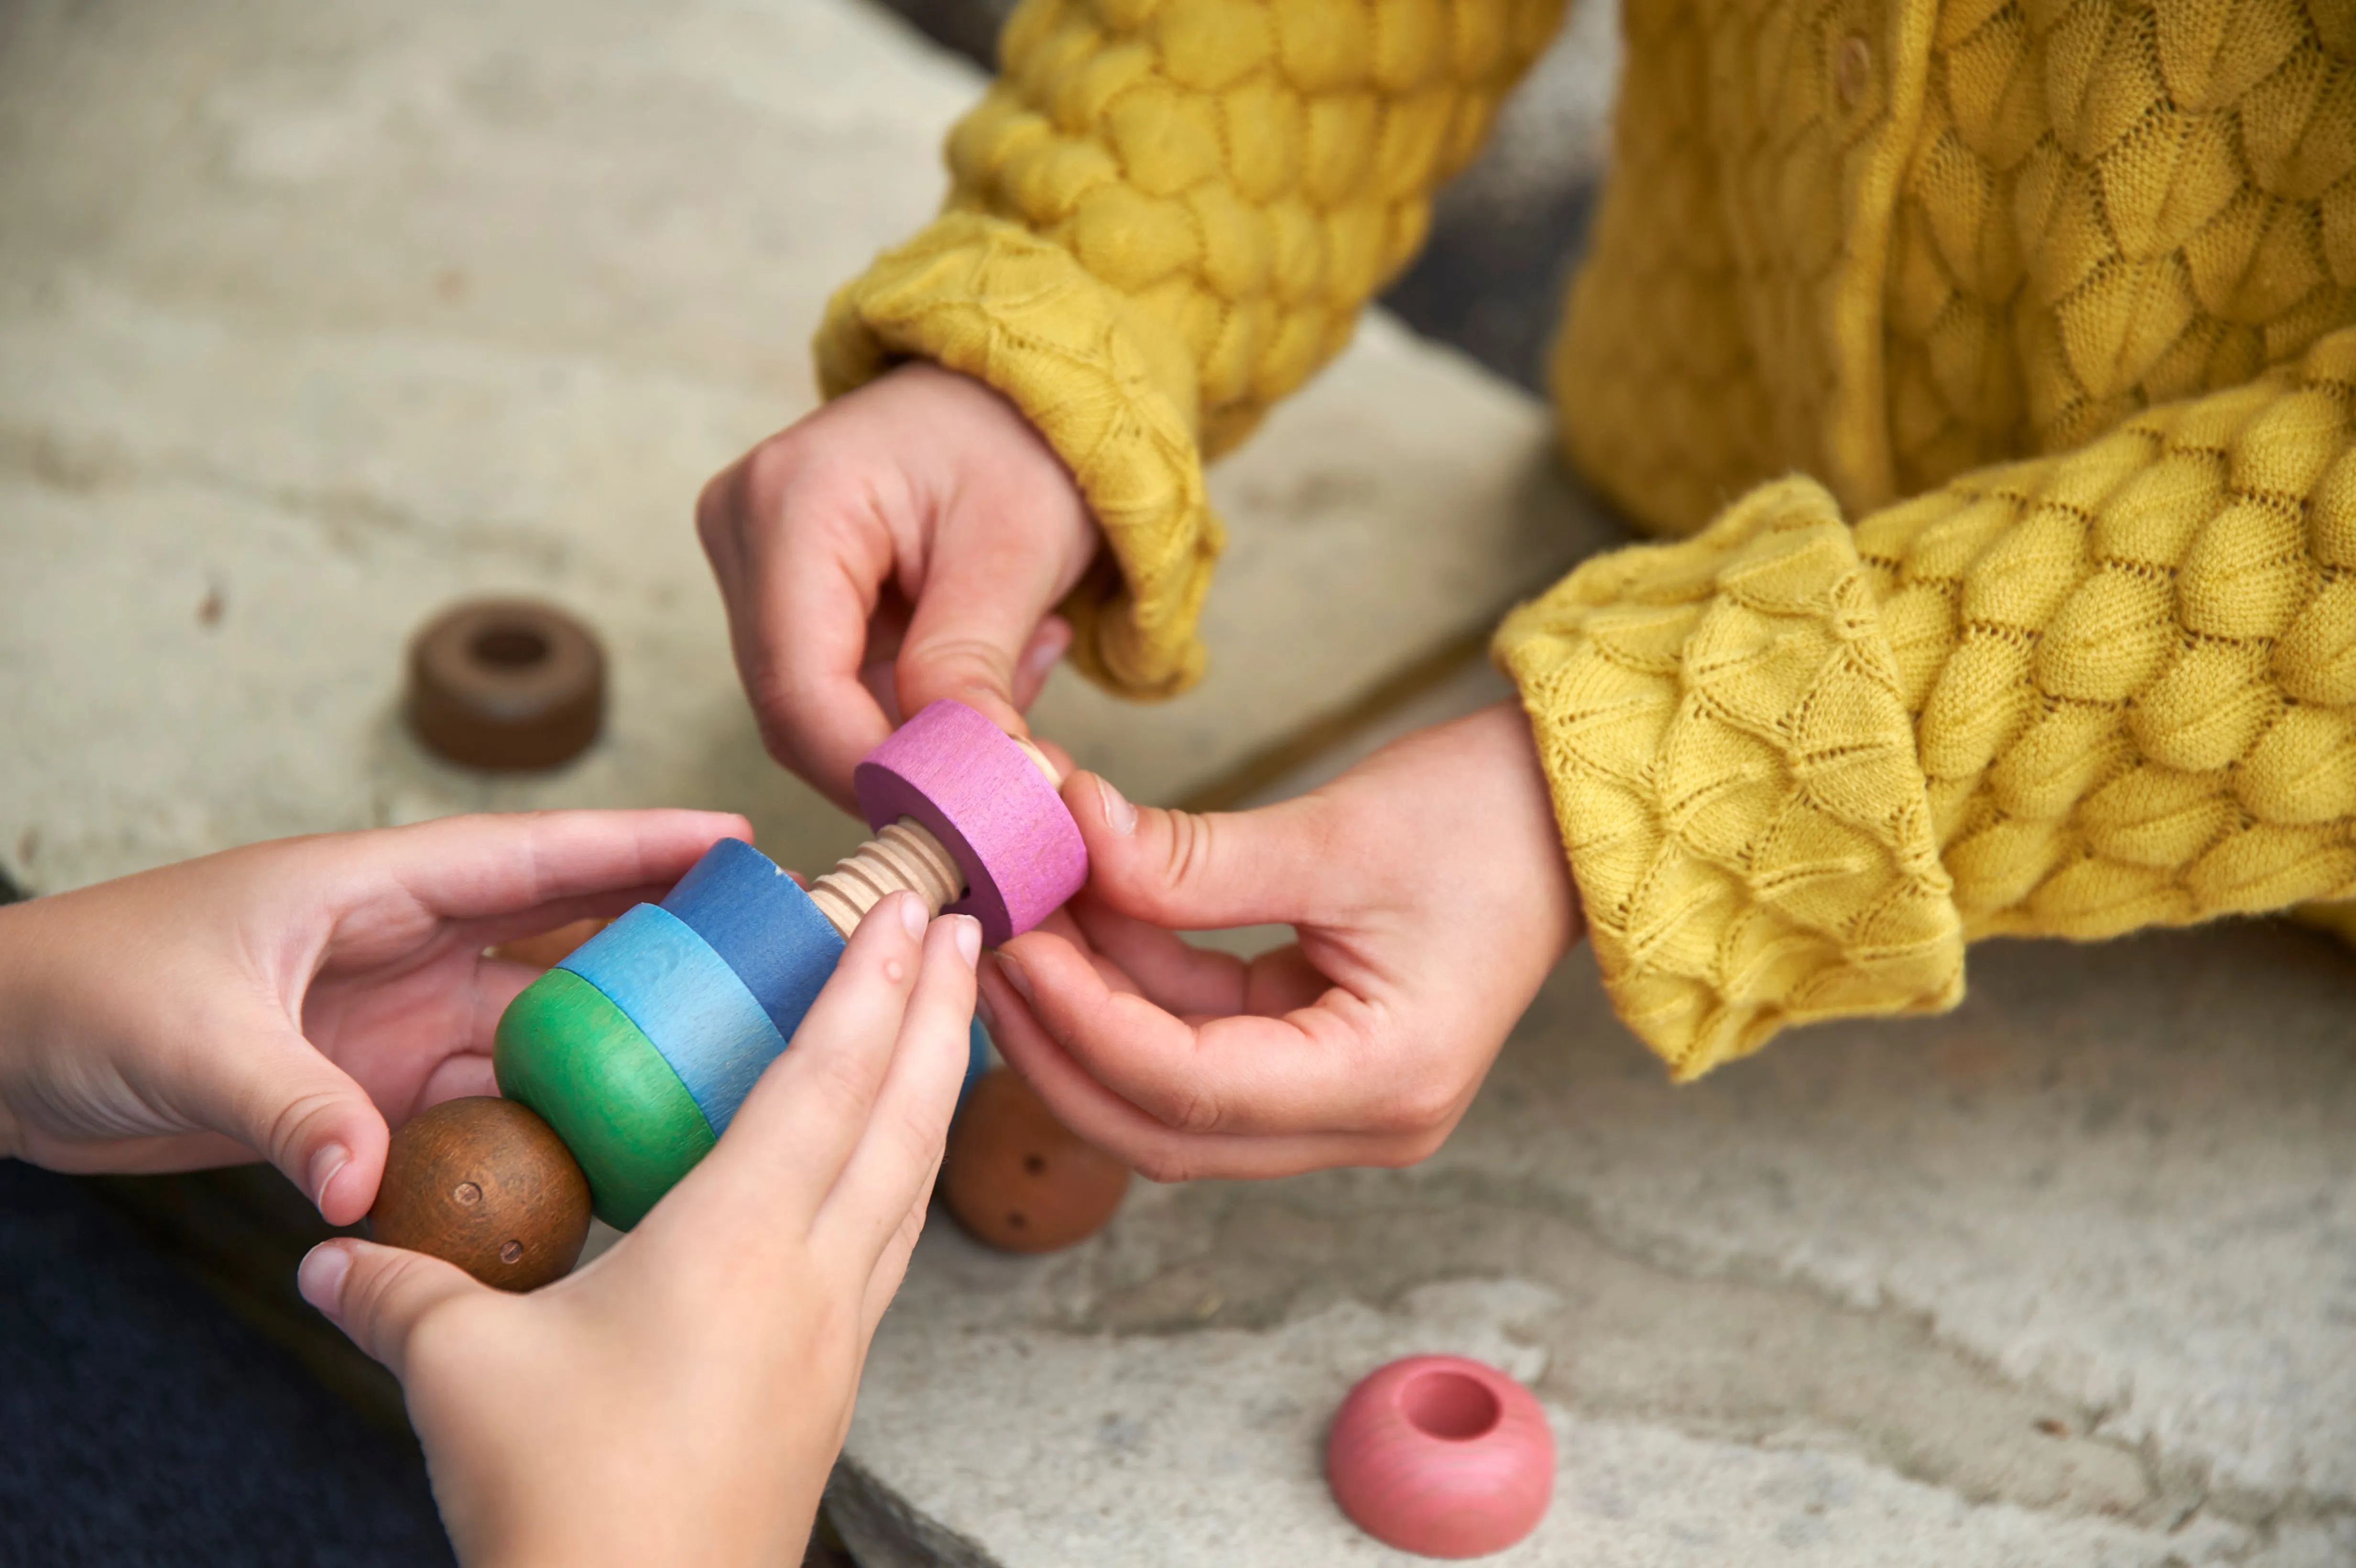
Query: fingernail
968, 933
982, 1010
323, 1166
321, 1277
1017, 978
911, 914
1119, 816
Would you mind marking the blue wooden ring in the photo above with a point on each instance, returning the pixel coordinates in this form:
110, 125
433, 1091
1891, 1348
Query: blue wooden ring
686, 999
763, 926
977, 1061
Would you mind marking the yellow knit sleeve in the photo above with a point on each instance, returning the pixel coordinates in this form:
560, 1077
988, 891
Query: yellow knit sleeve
1165, 216
1796, 765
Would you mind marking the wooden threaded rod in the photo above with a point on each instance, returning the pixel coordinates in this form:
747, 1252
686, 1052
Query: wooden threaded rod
904, 858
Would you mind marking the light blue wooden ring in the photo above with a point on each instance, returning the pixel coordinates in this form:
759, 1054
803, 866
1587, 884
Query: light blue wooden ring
765, 927
686, 999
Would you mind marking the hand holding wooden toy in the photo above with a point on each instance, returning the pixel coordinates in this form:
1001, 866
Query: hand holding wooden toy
638, 1047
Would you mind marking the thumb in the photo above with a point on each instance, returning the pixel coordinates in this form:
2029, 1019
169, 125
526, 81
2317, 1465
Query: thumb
983, 633
305, 1115
378, 1296
979, 656
1189, 870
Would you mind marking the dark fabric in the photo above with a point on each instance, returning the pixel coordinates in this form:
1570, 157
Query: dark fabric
140, 1423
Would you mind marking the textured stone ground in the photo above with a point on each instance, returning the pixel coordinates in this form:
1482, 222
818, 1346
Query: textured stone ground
2063, 1278
313, 317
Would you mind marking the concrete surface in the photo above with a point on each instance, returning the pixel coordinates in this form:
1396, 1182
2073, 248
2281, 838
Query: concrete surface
2067, 1277
314, 318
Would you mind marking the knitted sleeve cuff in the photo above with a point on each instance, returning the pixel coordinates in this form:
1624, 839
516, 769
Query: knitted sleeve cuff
1735, 779
987, 298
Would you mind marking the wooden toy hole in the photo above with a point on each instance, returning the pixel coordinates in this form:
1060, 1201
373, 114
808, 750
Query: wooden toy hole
1451, 1405
509, 647
511, 1252
1035, 1164
467, 1194
1017, 1221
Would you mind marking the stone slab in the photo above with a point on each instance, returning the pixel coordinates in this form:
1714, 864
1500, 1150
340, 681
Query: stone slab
314, 318
2062, 1279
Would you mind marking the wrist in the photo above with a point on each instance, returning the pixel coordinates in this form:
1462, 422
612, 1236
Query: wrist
1528, 802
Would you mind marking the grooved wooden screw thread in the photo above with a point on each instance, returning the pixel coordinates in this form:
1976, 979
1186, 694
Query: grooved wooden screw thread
904, 858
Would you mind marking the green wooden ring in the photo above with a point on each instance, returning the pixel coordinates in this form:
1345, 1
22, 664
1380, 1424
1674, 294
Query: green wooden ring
572, 1055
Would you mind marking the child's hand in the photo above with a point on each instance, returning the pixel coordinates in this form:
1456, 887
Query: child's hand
681, 1399
270, 1000
1429, 889
905, 543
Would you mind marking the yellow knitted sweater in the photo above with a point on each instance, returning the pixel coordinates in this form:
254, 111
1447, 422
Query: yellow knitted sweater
2053, 302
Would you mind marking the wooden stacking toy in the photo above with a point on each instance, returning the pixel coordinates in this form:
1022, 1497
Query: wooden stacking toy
638, 1047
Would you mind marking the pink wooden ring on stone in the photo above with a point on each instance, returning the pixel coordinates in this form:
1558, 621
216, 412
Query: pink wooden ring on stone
1442, 1456
975, 790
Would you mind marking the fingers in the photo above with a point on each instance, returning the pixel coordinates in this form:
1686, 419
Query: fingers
801, 585
378, 1296
1164, 967
1344, 1070
1193, 871
900, 1147
1151, 1147
891, 1268
924, 486
282, 1099
981, 634
523, 873
796, 1130
1050, 641
458, 1077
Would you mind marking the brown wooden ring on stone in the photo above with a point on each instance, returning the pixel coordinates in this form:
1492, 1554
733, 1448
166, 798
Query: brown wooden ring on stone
486, 1184
1019, 1180
507, 684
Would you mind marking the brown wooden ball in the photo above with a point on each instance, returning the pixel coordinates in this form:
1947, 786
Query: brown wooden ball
1019, 1180
484, 1183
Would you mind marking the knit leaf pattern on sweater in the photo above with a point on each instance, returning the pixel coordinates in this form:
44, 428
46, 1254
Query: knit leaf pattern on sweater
1734, 771
2076, 276
2113, 206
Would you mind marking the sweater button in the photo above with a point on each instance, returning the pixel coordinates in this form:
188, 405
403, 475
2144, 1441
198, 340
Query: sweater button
1853, 69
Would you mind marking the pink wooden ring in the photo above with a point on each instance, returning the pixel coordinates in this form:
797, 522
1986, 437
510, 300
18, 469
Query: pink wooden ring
1443, 1457
968, 781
